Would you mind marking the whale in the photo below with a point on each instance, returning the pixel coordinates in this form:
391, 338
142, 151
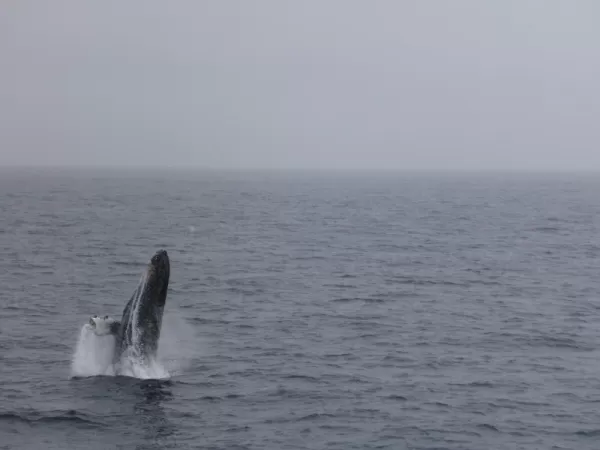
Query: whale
137, 333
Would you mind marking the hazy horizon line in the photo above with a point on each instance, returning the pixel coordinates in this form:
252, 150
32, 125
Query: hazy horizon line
201, 168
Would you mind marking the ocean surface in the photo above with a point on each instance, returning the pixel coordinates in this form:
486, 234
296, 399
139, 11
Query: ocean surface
306, 311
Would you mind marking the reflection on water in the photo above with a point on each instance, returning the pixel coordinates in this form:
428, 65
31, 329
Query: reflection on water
158, 430
124, 410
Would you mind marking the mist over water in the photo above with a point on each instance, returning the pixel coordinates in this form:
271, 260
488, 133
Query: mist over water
316, 311
179, 343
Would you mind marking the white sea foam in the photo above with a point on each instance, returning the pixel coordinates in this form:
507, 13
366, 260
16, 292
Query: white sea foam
131, 365
94, 354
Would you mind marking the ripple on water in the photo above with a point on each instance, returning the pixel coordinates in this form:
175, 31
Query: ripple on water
327, 312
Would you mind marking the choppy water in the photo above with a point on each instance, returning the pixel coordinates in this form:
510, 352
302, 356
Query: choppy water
307, 311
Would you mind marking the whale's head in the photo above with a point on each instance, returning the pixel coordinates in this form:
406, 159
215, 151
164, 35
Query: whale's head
157, 277
102, 326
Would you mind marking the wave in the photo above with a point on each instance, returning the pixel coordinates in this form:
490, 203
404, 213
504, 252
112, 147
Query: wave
32, 417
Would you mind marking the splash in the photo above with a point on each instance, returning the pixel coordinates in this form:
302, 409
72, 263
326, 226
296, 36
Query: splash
179, 344
94, 355
131, 365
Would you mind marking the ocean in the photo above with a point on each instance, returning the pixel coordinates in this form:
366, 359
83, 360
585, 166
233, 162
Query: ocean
306, 310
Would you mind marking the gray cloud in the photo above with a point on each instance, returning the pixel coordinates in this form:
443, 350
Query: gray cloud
335, 84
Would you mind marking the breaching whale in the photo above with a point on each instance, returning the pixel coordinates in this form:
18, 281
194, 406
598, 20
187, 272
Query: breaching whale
138, 331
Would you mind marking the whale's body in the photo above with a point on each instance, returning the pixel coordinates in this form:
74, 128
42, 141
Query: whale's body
138, 332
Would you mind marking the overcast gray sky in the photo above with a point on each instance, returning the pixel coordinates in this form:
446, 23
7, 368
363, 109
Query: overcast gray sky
301, 84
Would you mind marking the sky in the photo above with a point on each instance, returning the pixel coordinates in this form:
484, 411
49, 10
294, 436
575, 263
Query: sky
286, 84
